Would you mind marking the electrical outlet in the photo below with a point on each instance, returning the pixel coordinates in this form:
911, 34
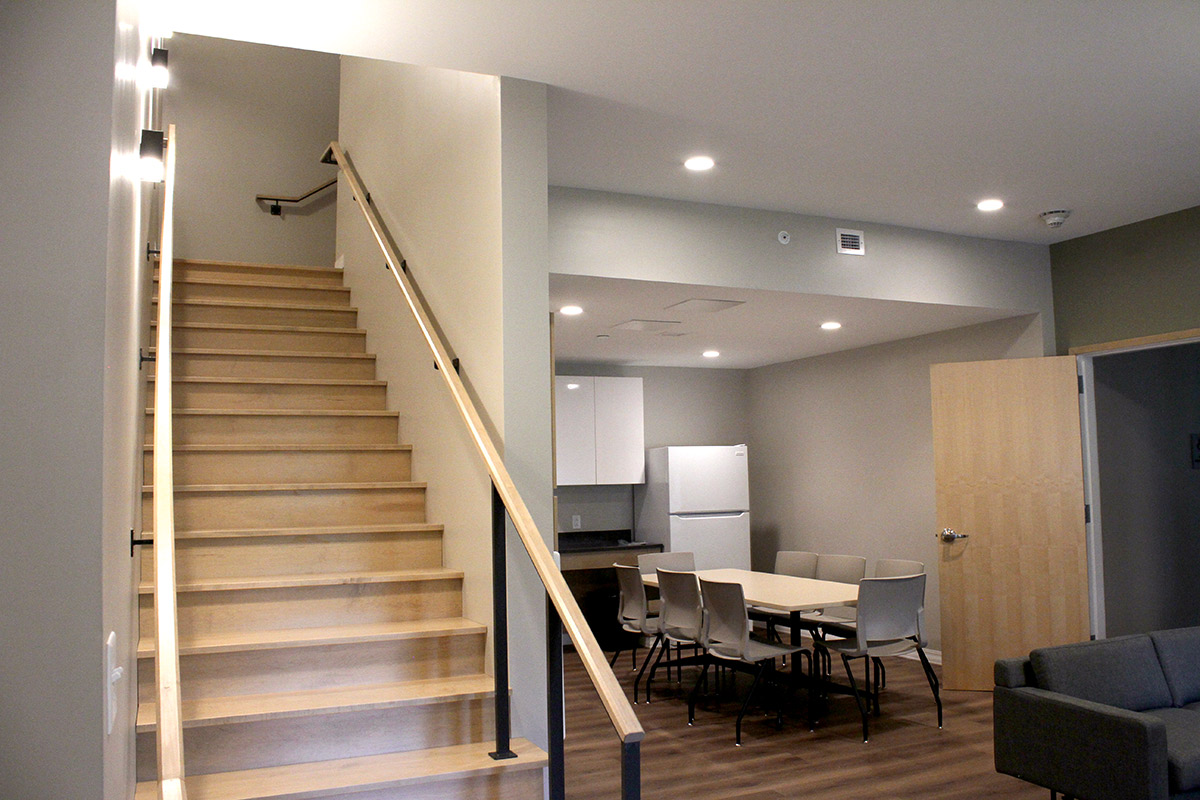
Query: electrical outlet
576, 522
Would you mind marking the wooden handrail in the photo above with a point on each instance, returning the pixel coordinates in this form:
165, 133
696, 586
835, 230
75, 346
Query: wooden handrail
620, 712
166, 639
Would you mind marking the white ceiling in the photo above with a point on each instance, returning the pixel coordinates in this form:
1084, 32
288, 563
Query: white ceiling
905, 113
767, 328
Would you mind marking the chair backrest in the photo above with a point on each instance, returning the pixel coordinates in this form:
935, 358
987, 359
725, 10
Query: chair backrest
726, 632
678, 560
842, 569
890, 608
896, 567
797, 563
631, 609
682, 615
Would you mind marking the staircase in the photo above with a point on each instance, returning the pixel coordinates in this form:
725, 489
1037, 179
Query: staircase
323, 649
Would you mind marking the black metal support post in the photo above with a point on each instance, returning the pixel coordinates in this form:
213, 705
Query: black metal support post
631, 771
555, 703
500, 628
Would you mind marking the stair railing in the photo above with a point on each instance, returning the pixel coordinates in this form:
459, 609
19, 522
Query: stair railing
169, 707
562, 609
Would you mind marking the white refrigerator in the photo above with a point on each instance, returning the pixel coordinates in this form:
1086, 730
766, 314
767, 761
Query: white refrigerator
697, 499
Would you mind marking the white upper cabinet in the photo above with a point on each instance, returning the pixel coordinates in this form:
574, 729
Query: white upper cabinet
599, 434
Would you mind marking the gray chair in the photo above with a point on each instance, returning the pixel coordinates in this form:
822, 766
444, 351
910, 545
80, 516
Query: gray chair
727, 641
897, 567
890, 612
678, 560
840, 569
633, 618
680, 623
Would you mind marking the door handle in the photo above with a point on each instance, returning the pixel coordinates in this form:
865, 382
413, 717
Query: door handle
948, 535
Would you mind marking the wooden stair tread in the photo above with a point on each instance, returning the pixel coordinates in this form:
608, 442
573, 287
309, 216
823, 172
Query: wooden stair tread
280, 638
251, 708
312, 579
282, 354
270, 304
290, 487
266, 284
281, 412
275, 381
286, 448
339, 530
347, 775
238, 326
209, 262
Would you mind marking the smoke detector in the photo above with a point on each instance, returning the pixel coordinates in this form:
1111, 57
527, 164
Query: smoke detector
1055, 218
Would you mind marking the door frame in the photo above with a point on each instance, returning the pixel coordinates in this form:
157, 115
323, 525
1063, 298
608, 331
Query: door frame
1084, 357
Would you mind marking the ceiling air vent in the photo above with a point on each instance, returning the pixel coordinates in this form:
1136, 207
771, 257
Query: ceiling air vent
851, 243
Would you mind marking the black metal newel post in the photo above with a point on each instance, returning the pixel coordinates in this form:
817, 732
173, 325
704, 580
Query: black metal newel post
555, 707
500, 627
631, 771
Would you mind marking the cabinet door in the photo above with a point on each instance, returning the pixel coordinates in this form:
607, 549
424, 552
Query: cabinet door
620, 434
575, 430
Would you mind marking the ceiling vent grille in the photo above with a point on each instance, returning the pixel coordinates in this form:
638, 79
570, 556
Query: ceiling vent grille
851, 243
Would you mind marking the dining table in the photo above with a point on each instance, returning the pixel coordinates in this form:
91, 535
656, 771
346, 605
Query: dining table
785, 593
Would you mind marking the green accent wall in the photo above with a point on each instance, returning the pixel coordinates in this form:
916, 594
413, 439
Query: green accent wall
1135, 280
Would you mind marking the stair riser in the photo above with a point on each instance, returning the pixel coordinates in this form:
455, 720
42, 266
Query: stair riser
263, 556
212, 365
248, 745
291, 508
286, 466
266, 273
302, 341
295, 669
260, 315
277, 396
253, 429
509, 785
203, 613
313, 295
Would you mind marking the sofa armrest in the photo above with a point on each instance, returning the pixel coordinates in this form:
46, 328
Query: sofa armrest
1080, 748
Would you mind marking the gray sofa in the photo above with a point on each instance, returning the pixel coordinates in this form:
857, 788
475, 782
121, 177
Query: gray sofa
1108, 719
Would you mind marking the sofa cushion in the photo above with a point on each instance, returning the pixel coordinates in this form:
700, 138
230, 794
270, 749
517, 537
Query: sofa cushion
1183, 747
1179, 654
1122, 672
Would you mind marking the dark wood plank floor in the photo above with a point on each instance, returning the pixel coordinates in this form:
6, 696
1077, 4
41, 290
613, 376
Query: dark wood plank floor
907, 756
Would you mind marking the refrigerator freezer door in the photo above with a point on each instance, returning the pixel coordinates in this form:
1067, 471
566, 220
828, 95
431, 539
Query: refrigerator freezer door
718, 540
708, 479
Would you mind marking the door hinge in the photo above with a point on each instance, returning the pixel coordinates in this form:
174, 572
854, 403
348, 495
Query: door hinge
1087, 515
1080, 377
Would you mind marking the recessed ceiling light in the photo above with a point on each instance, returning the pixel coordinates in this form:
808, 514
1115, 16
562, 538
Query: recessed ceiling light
699, 163
991, 204
711, 353
830, 326
572, 385
571, 311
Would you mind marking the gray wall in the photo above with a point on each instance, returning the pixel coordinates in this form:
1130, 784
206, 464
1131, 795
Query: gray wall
681, 407
1135, 280
623, 236
1147, 406
252, 119
69, 322
434, 147
841, 448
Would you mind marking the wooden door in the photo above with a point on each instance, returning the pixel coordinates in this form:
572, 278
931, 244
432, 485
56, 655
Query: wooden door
1009, 471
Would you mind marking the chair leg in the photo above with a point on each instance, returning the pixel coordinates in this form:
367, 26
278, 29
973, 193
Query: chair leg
696, 693
616, 655
874, 664
746, 703
650, 678
933, 682
633, 655
883, 672
862, 709
649, 655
